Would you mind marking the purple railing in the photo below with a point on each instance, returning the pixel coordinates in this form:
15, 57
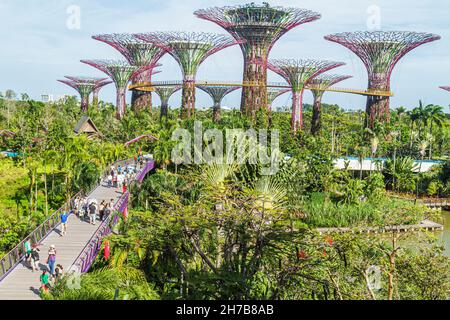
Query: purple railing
16, 255
87, 257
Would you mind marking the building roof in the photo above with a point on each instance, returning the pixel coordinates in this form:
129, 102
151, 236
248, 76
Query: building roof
86, 125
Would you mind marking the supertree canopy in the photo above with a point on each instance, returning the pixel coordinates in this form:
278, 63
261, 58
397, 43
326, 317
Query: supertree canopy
217, 93
84, 86
318, 87
120, 72
97, 89
261, 26
190, 50
138, 53
445, 88
298, 73
380, 51
273, 93
164, 94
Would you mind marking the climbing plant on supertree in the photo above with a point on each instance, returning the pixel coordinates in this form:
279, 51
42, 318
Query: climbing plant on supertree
261, 26
298, 73
190, 50
380, 51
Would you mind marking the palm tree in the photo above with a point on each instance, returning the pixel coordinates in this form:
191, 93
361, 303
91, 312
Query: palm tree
434, 116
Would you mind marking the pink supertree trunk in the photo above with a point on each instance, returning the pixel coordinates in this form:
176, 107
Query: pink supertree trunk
297, 111
121, 103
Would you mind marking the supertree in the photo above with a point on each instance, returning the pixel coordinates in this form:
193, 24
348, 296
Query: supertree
85, 86
164, 94
261, 26
120, 72
97, 89
445, 88
138, 53
217, 93
380, 51
318, 87
298, 73
190, 50
273, 93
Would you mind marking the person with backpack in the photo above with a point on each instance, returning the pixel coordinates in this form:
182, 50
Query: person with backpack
64, 221
27, 247
51, 260
35, 258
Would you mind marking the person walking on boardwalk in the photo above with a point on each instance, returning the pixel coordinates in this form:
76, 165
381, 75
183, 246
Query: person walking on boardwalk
45, 281
51, 260
124, 187
35, 258
64, 221
27, 247
93, 213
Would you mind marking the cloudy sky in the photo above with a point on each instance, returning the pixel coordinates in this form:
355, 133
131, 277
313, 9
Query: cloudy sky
40, 44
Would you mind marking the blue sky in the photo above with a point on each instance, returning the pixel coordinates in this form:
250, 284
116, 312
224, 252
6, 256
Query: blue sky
38, 48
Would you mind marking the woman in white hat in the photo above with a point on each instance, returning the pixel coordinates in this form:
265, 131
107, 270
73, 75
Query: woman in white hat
51, 260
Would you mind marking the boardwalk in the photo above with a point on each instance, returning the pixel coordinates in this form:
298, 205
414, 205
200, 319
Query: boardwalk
23, 284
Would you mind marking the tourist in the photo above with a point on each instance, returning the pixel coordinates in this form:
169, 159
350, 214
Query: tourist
64, 221
45, 281
124, 187
93, 213
77, 205
102, 210
35, 258
59, 271
115, 181
27, 246
106, 211
51, 260
109, 180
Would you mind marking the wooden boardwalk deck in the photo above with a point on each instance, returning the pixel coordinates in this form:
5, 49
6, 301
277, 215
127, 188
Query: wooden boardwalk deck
23, 284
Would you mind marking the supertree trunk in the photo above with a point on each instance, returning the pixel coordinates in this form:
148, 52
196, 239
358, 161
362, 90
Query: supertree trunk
217, 110
84, 103
316, 122
95, 98
188, 100
142, 100
121, 103
164, 109
254, 95
378, 107
297, 111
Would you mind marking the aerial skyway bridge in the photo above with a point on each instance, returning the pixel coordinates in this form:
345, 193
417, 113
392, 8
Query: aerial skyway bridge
150, 87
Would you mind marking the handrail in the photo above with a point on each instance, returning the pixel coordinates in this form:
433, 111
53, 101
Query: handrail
15, 256
87, 256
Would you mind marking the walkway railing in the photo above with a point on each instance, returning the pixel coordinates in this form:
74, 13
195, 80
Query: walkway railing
87, 257
16, 255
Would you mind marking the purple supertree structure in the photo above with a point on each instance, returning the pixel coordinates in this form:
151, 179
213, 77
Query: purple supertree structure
138, 53
380, 51
274, 93
318, 86
298, 73
164, 94
97, 89
190, 50
261, 26
217, 93
85, 86
445, 88
120, 72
